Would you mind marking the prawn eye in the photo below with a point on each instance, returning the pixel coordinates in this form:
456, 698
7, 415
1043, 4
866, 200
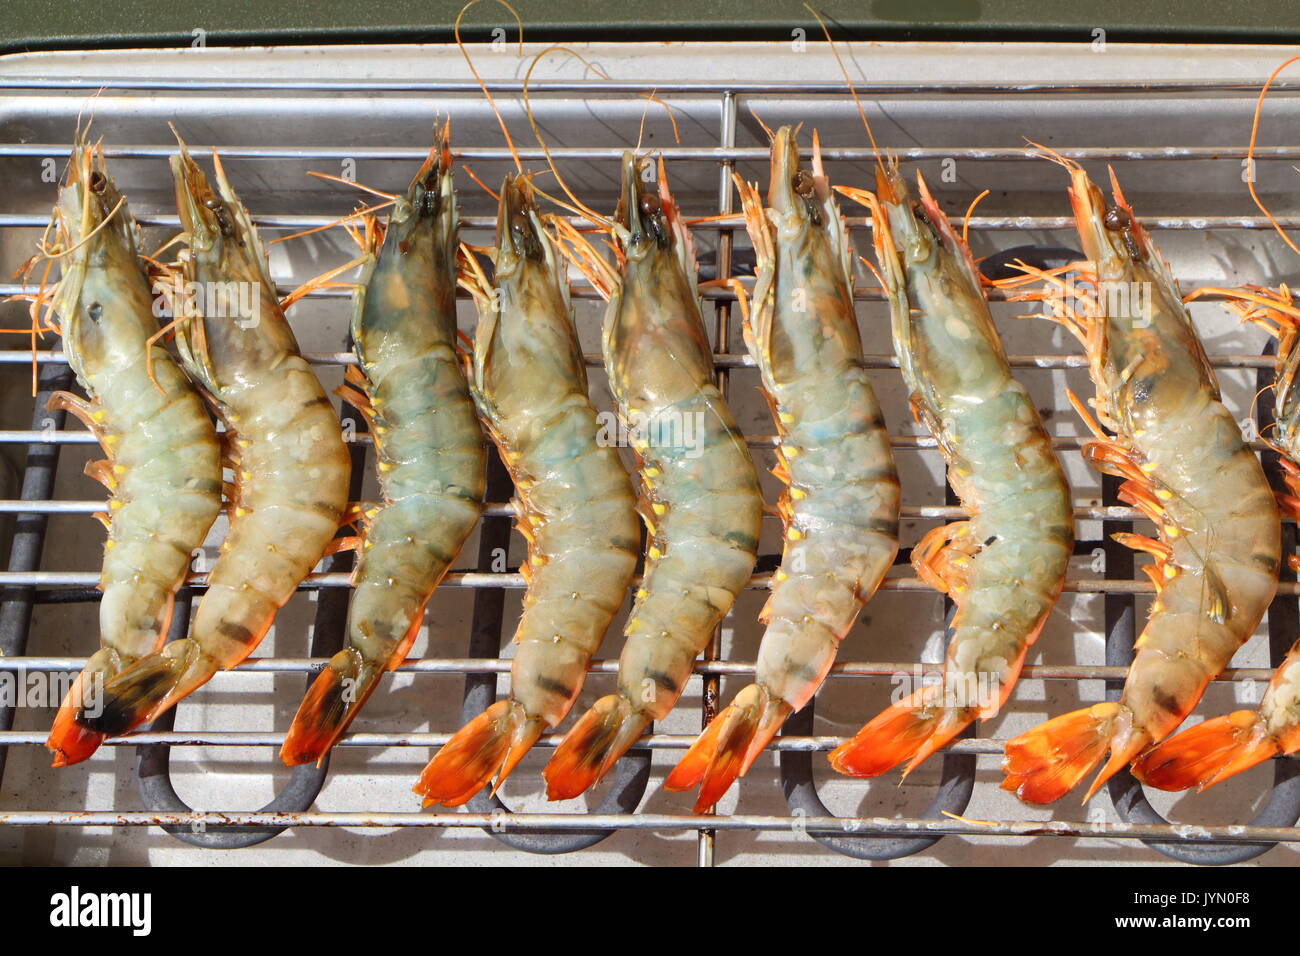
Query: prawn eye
1117, 219
650, 204
223, 216
97, 182
804, 188
526, 240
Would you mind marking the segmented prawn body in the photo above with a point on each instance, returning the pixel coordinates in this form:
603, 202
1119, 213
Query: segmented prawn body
1004, 566
163, 464
410, 385
1216, 749
700, 495
284, 447
840, 506
573, 498
1188, 470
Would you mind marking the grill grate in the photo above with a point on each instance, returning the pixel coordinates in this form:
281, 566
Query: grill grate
27, 586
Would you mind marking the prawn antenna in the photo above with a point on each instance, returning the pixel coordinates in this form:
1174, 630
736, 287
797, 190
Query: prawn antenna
583, 256
510, 143
344, 221
89, 103
352, 183
323, 281
481, 185
667, 107
1050, 154
758, 119
578, 206
849, 83
965, 223
471, 277
1250, 155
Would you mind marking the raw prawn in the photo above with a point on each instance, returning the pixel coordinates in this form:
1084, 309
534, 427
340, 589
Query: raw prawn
573, 497
429, 449
700, 494
1004, 566
840, 506
1216, 749
1187, 469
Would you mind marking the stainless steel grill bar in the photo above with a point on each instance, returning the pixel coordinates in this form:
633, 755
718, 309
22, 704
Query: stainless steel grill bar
596, 89
985, 747
504, 510
580, 291
977, 223
913, 442
722, 337
506, 579
678, 153
863, 826
722, 360
721, 668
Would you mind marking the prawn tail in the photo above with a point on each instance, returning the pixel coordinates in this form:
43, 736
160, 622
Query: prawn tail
330, 704
910, 730
729, 745
487, 747
1045, 763
593, 746
1208, 753
68, 740
146, 688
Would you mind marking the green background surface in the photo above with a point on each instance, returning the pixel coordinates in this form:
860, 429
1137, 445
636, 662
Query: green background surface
50, 24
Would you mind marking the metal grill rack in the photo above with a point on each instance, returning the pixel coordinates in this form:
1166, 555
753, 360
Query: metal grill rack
701, 171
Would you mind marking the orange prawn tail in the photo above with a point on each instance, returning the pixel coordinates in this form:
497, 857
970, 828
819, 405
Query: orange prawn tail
729, 745
488, 746
593, 746
1208, 753
327, 709
910, 730
68, 740
1045, 763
